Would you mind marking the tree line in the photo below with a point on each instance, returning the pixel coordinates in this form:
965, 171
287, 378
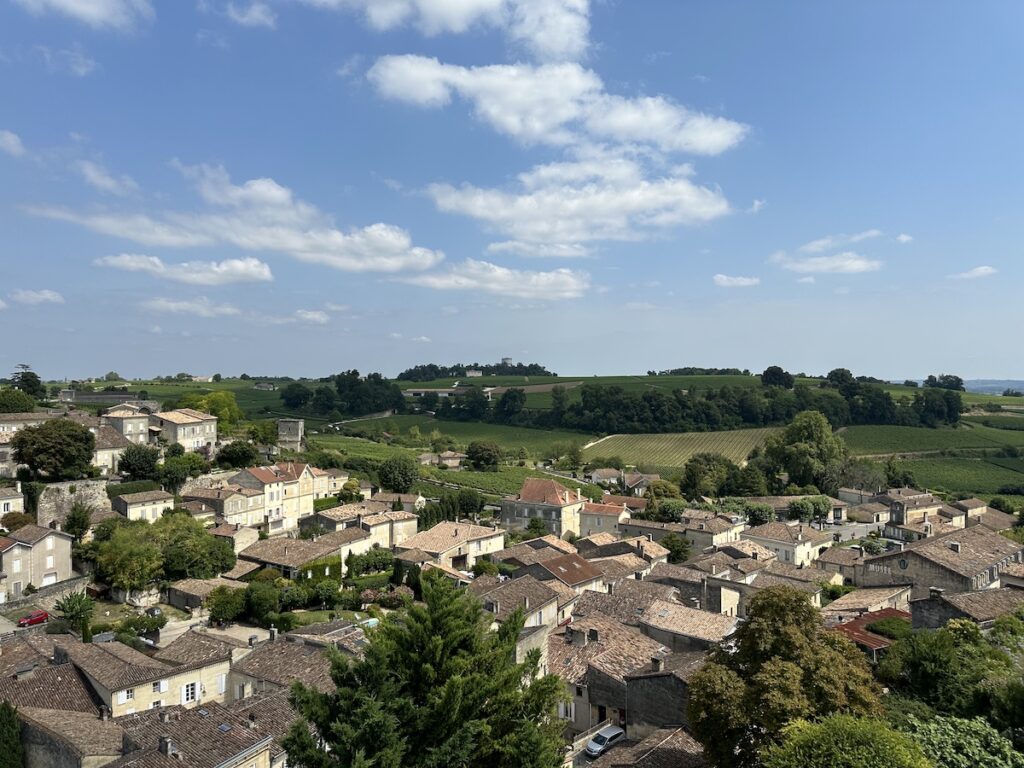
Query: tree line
433, 372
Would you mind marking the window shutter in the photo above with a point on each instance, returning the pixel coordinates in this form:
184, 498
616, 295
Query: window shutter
163, 686
184, 699
222, 683
121, 697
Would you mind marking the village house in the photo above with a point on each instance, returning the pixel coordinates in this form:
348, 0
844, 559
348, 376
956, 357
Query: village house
240, 536
704, 530
597, 518
287, 490
982, 607
340, 634
455, 545
57, 738
33, 555
11, 500
411, 502
841, 560
545, 500
127, 681
626, 603
604, 475
537, 601
681, 628
277, 663
130, 423
345, 516
534, 550
637, 483
870, 512
867, 600
292, 557
633, 503
145, 505
572, 571
110, 444
232, 504
780, 505
646, 549
963, 561
191, 429
10, 423
794, 542
859, 631
191, 594
390, 529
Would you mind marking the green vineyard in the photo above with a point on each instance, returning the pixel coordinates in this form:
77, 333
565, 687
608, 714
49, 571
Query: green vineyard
673, 450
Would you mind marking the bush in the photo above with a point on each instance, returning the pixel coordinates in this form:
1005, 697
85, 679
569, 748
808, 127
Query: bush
319, 505
399, 597
295, 597
892, 627
284, 622
348, 600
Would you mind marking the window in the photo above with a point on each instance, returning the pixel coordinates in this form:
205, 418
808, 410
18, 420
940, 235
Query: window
16, 568
49, 561
49, 542
156, 704
129, 694
188, 692
222, 683
7, 506
156, 687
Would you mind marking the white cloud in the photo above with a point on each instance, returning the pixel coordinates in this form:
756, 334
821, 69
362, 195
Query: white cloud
259, 215
974, 274
312, 316
247, 270
199, 306
42, 296
560, 207
830, 242
727, 281
116, 14
330, 306
550, 30
422, 339
553, 104
3, 304
809, 280
904, 238
484, 277
846, 263
10, 143
100, 178
70, 61
255, 14
757, 206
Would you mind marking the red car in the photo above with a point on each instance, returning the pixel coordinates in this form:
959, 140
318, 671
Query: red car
36, 617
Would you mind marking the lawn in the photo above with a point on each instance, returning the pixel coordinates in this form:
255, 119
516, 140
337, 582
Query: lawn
674, 449
963, 475
882, 440
505, 482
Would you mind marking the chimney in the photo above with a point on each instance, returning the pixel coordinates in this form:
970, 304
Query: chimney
656, 664
165, 716
273, 633
955, 546
935, 592
593, 635
251, 722
696, 602
700, 526
526, 602
253, 640
25, 672
167, 746
753, 555
17, 486
104, 712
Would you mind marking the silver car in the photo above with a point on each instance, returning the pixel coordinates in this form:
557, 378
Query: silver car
604, 740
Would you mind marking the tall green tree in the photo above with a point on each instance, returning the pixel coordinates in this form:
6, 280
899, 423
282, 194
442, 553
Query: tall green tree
841, 741
435, 689
28, 381
398, 473
58, 449
484, 455
139, 462
11, 753
78, 519
808, 451
783, 665
238, 454
13, 400
678, 547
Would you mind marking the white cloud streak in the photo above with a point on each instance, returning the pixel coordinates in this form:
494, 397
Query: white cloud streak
830, 242
975, 273
113, 14
728, 281
255, 14
199, 307
98, 177
484, 277
70, 61
555, 104
259, 215
904, 238
846, 263
247, 270
42, 296
10, 143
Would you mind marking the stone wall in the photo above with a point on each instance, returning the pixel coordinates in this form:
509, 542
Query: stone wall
209, 480
56, 500
47, 596
655, 701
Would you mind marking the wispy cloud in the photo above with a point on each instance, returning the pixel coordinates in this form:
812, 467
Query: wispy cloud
100, 178
199, 306
247, 270
830, 242
255, 14
41, 296
727, 281
114, 14
486, 278
846, 263
10, 143
70, 61
975, 273
904, 238
757, 206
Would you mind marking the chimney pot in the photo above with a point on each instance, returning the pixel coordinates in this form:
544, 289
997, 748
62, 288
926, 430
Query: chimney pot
167, 746
593, 635
656, 664
165, 716
935, 592
273, 633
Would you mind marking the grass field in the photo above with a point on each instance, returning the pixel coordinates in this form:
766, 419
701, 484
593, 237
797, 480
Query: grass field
998, 421
465, 432
354, 446
673, 450
963, 475
504, 482
881, 440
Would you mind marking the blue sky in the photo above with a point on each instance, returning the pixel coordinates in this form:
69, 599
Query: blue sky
302, 186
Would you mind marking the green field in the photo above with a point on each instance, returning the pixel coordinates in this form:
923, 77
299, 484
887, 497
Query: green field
673, 450
963, 475
1001, 421
505, 482
465, 432
882, 440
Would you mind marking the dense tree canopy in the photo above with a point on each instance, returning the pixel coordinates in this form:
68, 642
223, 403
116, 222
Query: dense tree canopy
238, 454
808, 452
433, 372
58, 449
398, 473
435, 688
952, 742
841, 741
139, 462
13, 400
484, 455
785, 666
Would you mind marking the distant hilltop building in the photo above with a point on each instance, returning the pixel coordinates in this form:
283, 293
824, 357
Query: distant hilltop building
291, 433
506, 361
473, 373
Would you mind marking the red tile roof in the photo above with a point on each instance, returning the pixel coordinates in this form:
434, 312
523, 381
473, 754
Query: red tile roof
857, 630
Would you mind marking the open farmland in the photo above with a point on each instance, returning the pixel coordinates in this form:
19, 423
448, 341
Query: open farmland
884, 440
506, 481
963, 475
674, 449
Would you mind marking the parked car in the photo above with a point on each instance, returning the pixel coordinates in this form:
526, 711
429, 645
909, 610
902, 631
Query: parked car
31, 619
604, 740
154, 611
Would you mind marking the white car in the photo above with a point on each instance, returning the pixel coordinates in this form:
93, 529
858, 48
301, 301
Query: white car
604, 740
